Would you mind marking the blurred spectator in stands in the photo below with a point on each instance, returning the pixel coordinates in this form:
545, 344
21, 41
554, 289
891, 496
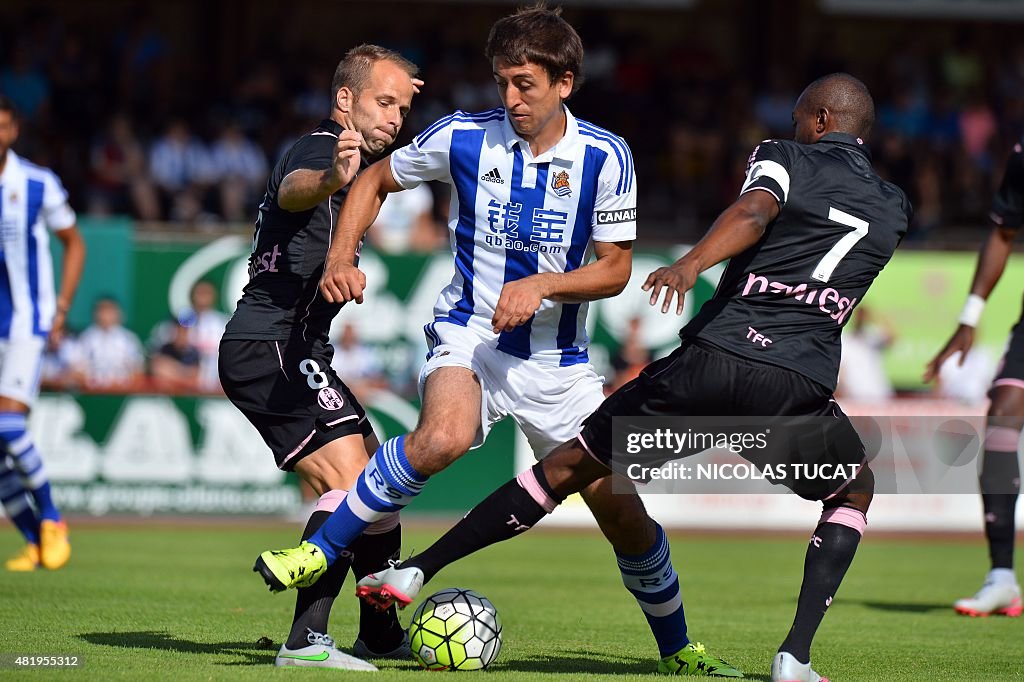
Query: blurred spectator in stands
144, 70
205, 325
773, 105
120, 177
862, 373
356, 363
906, 114
110, 356
26, 85
60, 357
174, 366
239, 169
180, 166
977, 128
406, 223
77, 103
943, 123
630, 357
205, 329
962, 68
310, 103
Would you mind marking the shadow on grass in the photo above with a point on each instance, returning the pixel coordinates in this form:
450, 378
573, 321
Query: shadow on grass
589, 662
902, 607
255, 653
579, 661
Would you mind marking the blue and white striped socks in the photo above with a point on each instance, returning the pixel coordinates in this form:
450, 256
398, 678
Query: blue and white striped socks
17, 443
387, 485
651, 578
16, 503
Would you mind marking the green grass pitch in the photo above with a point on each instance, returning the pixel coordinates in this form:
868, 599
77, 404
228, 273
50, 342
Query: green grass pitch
180, 602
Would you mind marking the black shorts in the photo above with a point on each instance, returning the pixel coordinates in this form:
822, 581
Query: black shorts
1011, 368
290, 393
699, 380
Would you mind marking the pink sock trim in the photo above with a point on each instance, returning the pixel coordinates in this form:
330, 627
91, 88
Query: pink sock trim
1001, 439
331, 500
528, 481
845, 516
385, 525
1016, 383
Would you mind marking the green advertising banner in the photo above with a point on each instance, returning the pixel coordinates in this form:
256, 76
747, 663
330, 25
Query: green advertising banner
154, 454
919, 296
151, 454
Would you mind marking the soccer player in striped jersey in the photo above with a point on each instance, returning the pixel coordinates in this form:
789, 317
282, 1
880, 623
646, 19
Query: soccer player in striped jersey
536, 192
32, 204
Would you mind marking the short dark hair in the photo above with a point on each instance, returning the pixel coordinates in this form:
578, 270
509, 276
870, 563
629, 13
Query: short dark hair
6, 104
353, 70
540, 36
846, 98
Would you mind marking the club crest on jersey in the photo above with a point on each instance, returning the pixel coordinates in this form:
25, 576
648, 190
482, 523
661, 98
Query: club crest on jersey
560, 184
330, 399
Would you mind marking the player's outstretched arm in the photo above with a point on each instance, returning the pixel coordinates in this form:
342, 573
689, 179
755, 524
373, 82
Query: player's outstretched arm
342, 280
304, 188
738, 228
603, 278
995, 252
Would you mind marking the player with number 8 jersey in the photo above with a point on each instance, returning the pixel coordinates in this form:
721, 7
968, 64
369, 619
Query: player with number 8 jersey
275, 358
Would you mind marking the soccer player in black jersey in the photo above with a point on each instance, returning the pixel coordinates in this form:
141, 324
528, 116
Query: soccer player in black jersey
1000, 471
275, 359
812, 228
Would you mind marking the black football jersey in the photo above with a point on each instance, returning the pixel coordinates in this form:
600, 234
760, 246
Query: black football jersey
282, 299
785, 300
1008, 203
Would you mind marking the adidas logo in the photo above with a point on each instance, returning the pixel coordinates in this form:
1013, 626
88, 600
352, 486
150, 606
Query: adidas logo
492, 176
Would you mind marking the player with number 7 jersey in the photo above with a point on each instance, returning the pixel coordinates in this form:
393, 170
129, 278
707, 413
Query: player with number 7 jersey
785, 300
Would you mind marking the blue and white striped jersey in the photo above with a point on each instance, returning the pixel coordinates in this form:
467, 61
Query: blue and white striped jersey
513, 215
32, 199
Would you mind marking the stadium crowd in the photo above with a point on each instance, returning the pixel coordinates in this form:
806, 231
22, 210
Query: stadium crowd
139, 132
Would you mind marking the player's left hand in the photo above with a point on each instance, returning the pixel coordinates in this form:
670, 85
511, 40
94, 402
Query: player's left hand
677, 278
518, 302
417, 83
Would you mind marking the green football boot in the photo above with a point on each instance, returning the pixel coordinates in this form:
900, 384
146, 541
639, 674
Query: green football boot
298, 567
694, 660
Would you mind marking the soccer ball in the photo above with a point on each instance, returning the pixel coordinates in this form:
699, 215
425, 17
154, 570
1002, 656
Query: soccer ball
455, 629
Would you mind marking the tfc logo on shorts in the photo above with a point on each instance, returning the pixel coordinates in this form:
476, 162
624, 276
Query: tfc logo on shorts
330, 399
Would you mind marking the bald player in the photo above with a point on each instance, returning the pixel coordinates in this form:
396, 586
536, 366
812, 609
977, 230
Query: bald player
812, 228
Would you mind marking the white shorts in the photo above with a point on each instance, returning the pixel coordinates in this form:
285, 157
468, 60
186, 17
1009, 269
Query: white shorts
20, 362
549, 403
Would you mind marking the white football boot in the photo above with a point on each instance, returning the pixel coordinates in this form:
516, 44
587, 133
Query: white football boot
1000, 595
785, 668
392, 585
321, 653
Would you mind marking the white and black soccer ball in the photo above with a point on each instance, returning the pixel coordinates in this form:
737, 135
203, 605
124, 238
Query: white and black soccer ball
455, 629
